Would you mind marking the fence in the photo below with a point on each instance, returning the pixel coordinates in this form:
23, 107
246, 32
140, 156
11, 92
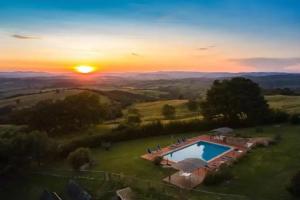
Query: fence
146, 189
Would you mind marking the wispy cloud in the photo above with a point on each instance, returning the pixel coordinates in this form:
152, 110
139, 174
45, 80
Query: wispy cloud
267, 63
24, 37
206, 48
135, 54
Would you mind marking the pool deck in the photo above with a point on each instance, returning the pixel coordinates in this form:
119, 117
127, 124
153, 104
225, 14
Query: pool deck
198, 176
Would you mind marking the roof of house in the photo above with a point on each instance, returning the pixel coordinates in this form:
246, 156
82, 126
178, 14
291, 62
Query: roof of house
189, 164
46, 195
125, 193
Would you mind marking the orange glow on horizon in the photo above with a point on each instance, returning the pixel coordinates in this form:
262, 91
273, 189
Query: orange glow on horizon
85, 69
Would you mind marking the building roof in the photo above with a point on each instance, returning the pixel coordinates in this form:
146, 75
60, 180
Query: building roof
189, 164
46, 195
222, 131
125, 193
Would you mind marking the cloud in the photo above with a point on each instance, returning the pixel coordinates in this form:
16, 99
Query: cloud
135, 54
268, 63
24, 37
206, 48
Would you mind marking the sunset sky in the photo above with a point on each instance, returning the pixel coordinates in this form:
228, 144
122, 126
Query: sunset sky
152, 35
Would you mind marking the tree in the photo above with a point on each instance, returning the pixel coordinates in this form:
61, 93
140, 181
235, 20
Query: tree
294, 187
79, 157
133, 120
41, 146
192, 105
295, 119
238, 99
18, 150
133, 116
168, 111
74, 113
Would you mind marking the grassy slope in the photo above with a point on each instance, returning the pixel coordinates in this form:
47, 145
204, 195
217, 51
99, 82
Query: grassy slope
263, 174
152, 110
290, 104
29, 100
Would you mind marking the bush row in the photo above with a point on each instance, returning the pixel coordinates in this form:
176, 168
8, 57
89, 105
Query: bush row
124, 132
128, 132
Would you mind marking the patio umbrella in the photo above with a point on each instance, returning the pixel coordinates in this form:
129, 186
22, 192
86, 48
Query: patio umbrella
189, 165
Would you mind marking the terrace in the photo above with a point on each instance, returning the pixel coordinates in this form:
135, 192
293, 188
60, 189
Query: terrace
191, 170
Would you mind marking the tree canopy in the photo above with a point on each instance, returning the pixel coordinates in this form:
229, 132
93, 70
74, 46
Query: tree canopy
19, 149
79, 157
168, 111
235, 100
192, 105
73, 113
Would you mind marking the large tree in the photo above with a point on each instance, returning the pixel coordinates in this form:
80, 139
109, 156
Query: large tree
235, 100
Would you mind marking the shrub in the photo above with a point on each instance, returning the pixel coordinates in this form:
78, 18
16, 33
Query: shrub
106, 145
168, 111
295, 119
277, 116
157, 160
276, 139
192, 105
134, 119
79, 157
216, 178
294, 187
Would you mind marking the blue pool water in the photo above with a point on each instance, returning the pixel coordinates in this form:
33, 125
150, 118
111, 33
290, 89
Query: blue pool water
203, 150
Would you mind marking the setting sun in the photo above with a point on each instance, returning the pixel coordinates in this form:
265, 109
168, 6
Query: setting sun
84, 69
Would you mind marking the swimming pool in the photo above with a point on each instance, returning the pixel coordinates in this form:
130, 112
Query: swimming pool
203, 150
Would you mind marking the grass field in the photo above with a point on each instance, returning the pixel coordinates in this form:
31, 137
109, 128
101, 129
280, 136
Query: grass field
30, 100
152, 110
263, 174
290, 104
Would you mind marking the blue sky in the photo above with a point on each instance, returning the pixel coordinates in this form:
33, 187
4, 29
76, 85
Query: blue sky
227, 34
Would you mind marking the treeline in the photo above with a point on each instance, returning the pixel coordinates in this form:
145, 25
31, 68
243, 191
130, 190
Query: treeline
281, 91
74, 113
126, 132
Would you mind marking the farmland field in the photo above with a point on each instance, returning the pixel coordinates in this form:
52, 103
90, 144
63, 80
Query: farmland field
290, 104
152, 110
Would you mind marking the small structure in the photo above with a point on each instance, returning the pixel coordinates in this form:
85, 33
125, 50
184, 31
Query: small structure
191, 173
189, 165
125, 194
224, 131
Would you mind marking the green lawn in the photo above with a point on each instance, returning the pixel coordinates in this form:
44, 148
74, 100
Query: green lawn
263, 174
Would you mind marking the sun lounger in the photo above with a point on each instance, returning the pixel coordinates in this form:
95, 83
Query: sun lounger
158, 147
